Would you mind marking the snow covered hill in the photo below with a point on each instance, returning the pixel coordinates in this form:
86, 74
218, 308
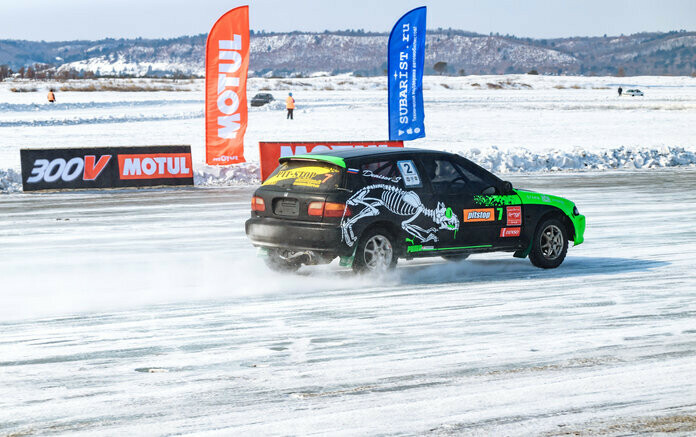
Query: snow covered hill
296, 53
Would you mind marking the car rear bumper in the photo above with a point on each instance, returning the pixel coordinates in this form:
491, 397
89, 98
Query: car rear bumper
296, 235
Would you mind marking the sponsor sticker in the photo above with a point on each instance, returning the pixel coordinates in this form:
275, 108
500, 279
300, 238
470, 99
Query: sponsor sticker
154, 166
479, 215
510, 232
409, 173
514, 216
308, 176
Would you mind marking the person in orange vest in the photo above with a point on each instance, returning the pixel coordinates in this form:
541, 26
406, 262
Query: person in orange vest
290, 106
51, 96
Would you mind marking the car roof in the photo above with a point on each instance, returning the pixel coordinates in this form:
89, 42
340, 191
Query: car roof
359, 152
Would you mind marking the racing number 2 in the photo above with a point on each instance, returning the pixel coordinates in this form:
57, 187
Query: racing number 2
409, 173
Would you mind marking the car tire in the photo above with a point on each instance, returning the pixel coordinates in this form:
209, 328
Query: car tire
550, 244
457, 257
279, 264
376, 252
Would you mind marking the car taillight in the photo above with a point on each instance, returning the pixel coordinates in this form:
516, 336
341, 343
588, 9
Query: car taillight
328, 209
336, 210
315, 209
257, 204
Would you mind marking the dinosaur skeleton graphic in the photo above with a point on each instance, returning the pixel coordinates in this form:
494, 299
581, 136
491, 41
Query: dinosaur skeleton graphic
402, 203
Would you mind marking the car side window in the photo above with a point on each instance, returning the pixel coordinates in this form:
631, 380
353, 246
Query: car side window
376, 172
445, 176
479, 179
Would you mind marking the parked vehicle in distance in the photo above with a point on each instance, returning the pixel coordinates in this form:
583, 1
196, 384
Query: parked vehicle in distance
634, 92
261, 99
372, 206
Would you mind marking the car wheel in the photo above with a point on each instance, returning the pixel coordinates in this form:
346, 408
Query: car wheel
277, 263
375, 252
457, 257
550, 244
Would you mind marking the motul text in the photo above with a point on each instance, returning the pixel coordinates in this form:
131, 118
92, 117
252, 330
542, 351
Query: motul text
270, 152
154, 166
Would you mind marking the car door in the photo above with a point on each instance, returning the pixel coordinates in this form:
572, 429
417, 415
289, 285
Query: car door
506, 231
461, 189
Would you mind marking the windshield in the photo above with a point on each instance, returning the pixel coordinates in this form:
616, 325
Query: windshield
309, 175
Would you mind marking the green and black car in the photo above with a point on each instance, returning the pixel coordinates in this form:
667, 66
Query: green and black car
372, 206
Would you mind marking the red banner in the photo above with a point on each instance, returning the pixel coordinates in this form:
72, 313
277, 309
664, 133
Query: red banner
271, 152
226, 66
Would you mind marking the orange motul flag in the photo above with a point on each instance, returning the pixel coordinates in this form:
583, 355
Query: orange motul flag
226, 65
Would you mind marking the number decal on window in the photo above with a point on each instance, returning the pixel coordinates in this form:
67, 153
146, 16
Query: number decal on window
409, 173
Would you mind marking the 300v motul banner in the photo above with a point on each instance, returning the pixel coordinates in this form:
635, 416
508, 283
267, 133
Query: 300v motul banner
271, 152
106, 167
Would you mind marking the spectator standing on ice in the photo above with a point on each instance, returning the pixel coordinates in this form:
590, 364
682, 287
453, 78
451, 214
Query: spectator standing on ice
51, 96
290, 106
620, 91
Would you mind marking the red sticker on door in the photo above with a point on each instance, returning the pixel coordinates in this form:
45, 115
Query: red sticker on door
510, 232
514, 215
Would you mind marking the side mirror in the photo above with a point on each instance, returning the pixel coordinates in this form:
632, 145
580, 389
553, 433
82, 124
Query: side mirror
507, 187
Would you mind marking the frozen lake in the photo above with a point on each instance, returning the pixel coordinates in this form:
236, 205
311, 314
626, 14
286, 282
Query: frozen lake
147, 312
536, 113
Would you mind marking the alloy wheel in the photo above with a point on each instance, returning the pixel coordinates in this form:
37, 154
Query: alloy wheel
551, 242
378, 253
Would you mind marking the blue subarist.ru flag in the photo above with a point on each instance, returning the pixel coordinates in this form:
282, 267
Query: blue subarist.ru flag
406, 60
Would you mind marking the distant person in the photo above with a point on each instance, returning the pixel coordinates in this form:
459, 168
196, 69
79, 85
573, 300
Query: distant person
290, 106
620, 91
51, 96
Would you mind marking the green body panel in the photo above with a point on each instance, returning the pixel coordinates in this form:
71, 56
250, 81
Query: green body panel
326, 158
565, 205
497, 200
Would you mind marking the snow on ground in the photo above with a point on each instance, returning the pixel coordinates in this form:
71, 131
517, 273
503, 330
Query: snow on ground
136, 312
506, 123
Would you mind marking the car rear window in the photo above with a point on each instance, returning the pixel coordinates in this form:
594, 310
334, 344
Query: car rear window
306, 175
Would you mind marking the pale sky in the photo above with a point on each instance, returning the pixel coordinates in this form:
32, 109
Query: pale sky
58, 20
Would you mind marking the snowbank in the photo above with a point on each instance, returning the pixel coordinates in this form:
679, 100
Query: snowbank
248, 173
493, 159
10, 181
505, 161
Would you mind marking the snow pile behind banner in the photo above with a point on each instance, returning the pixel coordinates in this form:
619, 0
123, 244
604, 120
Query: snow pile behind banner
506, 161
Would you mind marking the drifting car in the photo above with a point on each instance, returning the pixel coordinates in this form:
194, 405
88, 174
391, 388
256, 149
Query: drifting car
634, 93
372, 206
261, 99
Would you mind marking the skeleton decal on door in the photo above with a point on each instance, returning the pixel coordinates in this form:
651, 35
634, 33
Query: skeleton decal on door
401, 203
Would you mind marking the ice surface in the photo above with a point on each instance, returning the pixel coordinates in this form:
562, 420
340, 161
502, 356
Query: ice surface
146, 312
